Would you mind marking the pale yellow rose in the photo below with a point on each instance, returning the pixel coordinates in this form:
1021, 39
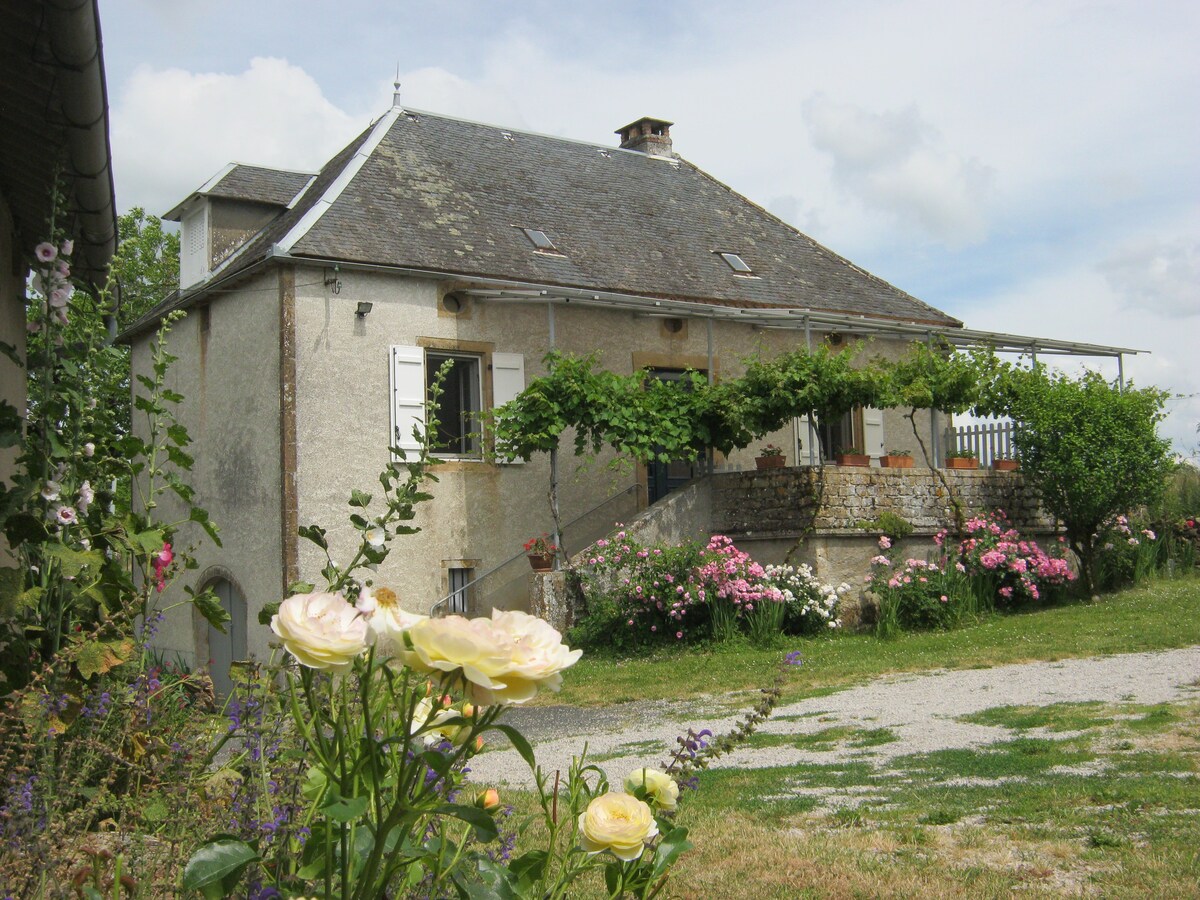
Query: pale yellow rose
453, 643
322, 631
538, 655
660, 787
616, 822
505, 659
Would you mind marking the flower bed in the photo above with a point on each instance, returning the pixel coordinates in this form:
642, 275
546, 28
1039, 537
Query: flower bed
637, 595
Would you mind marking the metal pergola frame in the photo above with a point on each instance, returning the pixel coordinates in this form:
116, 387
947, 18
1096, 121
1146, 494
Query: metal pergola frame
803, 320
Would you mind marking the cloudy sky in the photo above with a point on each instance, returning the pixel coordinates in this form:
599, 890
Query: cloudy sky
1029, 166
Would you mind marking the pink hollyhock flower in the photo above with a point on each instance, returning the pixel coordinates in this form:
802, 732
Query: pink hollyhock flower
162, 560
45, 252
67, 246
65, 515
885, 543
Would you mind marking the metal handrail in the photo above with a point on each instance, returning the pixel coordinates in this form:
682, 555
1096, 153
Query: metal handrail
433, 610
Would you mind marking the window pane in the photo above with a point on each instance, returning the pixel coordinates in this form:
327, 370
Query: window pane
459, 404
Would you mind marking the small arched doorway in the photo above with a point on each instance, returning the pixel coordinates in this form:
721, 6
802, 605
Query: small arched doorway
225, 649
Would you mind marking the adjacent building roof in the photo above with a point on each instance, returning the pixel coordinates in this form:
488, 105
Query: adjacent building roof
54, 126
256, 184
420, 191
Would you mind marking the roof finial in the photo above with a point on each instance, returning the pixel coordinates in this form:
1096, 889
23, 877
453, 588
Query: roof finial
396, 88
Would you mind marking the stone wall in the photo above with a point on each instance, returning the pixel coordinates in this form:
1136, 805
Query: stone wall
782, 502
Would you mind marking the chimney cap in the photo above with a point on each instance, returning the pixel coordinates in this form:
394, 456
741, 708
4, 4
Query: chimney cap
654, 126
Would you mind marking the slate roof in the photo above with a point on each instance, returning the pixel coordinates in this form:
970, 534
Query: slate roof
260, 185
451, 196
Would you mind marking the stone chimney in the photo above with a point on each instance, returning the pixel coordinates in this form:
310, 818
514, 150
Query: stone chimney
647, 135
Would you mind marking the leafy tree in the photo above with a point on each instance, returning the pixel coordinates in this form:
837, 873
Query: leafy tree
145, 269
821, 383
1091, 449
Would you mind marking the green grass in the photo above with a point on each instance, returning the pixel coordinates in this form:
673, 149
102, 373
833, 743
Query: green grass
1161, 615
826, 739
1056, 717
991, 822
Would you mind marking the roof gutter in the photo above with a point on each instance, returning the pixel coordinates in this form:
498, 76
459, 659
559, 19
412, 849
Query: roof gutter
75, 44
763, 317
507, 290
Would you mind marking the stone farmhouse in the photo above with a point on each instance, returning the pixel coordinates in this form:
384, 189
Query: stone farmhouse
320, 305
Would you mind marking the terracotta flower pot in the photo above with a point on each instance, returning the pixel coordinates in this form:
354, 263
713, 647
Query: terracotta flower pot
962, 462
541, 562
853, 459
896, 462
769, 462
1005, 465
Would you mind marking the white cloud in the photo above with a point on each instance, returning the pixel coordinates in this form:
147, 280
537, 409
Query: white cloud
436, 90
897, 162
1160, 276
1079, 304
172, 129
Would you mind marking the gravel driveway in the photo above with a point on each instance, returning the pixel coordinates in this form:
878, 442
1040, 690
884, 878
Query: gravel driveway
921, 710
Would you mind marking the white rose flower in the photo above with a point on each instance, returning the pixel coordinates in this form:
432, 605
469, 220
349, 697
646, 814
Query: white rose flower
386, 620
658, 785
616, 822
322, 631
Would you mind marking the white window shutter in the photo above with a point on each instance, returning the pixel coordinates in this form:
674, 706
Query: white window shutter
508, 379
873, 431
806, 438
408, 395
193, 256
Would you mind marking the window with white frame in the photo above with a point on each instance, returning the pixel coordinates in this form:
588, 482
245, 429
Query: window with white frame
467, 377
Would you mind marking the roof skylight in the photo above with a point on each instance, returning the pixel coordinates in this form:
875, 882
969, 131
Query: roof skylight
735, 262
540, 241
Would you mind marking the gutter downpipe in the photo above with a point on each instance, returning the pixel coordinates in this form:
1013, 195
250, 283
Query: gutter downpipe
553, 452
1120, 373
708, 457
933, 429
812, 461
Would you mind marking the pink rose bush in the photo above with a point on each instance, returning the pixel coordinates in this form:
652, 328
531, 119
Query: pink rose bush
1004, 567
916, 594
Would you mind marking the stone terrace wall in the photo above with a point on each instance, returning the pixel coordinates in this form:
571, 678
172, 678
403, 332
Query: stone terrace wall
781, 502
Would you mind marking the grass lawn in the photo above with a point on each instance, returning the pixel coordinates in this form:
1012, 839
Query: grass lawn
1158, 616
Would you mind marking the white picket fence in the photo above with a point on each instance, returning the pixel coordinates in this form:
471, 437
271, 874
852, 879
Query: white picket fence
987, 441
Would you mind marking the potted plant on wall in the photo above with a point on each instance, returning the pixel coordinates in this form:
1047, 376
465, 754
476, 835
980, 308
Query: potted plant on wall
540, 551
852, 456
897, 459
1005, 463
770, 457
961, 459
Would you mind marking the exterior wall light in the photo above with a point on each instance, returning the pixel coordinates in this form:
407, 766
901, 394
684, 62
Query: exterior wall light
364, 307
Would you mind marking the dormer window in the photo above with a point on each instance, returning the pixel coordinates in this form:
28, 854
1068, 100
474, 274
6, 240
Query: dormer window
540, 241
736, 263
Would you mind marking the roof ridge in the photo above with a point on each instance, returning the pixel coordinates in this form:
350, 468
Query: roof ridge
352, 167
540, 134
